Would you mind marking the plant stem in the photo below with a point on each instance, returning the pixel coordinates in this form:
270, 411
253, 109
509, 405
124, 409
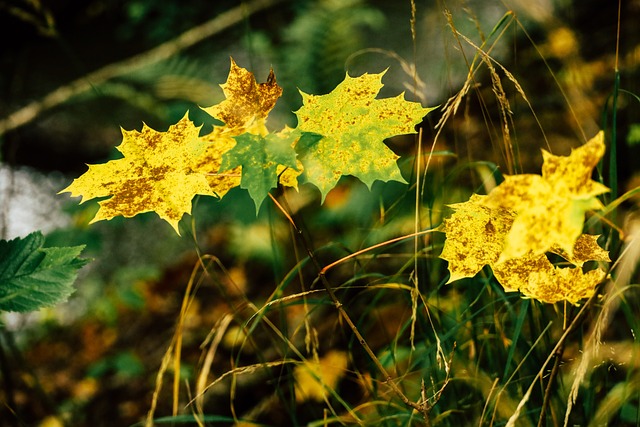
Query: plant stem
613, 155
550, 382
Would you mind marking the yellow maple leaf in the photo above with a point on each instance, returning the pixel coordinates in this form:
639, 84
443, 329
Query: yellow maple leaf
220, 140
585, 249
157, 173
550, 208
247, 102
525, 217
314, 378
535, 277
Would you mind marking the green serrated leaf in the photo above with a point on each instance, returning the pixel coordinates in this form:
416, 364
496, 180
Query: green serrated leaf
260, 157
353, 125
33, 277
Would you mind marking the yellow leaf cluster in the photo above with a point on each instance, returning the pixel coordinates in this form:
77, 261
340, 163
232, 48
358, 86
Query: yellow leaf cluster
524, 218
245, 110
163, 171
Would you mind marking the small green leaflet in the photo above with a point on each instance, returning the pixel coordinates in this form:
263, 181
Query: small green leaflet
353, 125
33, 277
260, 157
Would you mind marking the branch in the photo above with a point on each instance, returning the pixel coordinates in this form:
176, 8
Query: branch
159, 53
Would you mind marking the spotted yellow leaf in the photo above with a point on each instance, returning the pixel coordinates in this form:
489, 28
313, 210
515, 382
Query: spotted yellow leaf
351, 125
585, 249
159, 172
550, 208
535, 277
247, 102
476, 235
208, 163
524, 218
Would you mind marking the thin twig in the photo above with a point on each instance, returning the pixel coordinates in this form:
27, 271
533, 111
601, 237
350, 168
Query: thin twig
370, 248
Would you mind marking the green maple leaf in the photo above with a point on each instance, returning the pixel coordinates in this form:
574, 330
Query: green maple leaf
32, 277
353, 125
260, 158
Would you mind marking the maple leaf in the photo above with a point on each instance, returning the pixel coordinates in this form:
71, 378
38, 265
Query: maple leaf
550, 208
260, 158
522, 219
219, 141
351, 125
247, 102
159, 172
535, 277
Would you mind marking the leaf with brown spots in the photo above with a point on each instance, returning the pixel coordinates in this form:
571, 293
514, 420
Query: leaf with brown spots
475, 237
247, 102
351, 126
524, 218
535, 277
208, 163
551, 207
159, 172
